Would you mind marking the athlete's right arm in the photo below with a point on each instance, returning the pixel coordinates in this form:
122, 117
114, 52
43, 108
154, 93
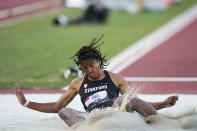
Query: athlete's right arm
52, 107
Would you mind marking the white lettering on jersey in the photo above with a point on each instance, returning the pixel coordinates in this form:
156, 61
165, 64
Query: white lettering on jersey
95, 88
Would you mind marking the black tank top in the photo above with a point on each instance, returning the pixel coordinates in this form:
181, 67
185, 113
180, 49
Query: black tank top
98, 94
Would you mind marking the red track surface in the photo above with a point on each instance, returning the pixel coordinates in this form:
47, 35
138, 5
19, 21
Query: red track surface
6, 4
12, 9
164, 87
176, 57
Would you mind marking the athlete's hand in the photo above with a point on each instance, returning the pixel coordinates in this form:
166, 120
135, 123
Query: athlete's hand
19, 95
170, 101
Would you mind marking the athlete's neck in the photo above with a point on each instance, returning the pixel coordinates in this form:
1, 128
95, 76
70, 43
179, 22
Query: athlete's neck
100, 76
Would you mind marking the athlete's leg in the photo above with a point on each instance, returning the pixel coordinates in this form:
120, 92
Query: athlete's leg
138, 105
141, 107
71, 116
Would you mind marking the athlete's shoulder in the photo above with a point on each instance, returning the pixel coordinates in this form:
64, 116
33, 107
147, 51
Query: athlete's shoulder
119, 81
76, 83
77, 80
115, 76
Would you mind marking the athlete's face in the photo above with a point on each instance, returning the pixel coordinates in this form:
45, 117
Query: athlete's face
91, 68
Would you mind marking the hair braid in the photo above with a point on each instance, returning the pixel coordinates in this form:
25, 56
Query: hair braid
92, 51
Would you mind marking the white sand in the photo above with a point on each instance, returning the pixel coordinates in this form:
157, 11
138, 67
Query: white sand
14, 117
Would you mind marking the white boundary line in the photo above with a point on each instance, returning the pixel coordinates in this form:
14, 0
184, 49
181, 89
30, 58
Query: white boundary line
152, 40
20, 19
21, 9
33, 9
161, 79
154, 79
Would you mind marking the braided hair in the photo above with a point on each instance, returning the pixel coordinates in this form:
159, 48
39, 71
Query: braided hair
92, 51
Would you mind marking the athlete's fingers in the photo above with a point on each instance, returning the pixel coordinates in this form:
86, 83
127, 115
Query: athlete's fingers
170, 101
16, 88
173, 102
175, 98
19, 94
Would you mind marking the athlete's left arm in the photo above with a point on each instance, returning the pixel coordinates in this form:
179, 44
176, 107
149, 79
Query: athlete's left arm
170, 101
122, 84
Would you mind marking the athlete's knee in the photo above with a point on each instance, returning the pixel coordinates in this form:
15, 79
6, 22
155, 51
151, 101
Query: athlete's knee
63, 113
141, 107
65, 116
70, 116
131, 105
134, 104
68, 113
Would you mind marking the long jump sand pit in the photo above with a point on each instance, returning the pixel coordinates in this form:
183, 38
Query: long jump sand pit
181, 117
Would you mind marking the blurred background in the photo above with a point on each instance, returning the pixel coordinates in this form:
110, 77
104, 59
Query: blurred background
38, 37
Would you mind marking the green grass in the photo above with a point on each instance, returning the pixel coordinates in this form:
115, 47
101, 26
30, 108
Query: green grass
31, 52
